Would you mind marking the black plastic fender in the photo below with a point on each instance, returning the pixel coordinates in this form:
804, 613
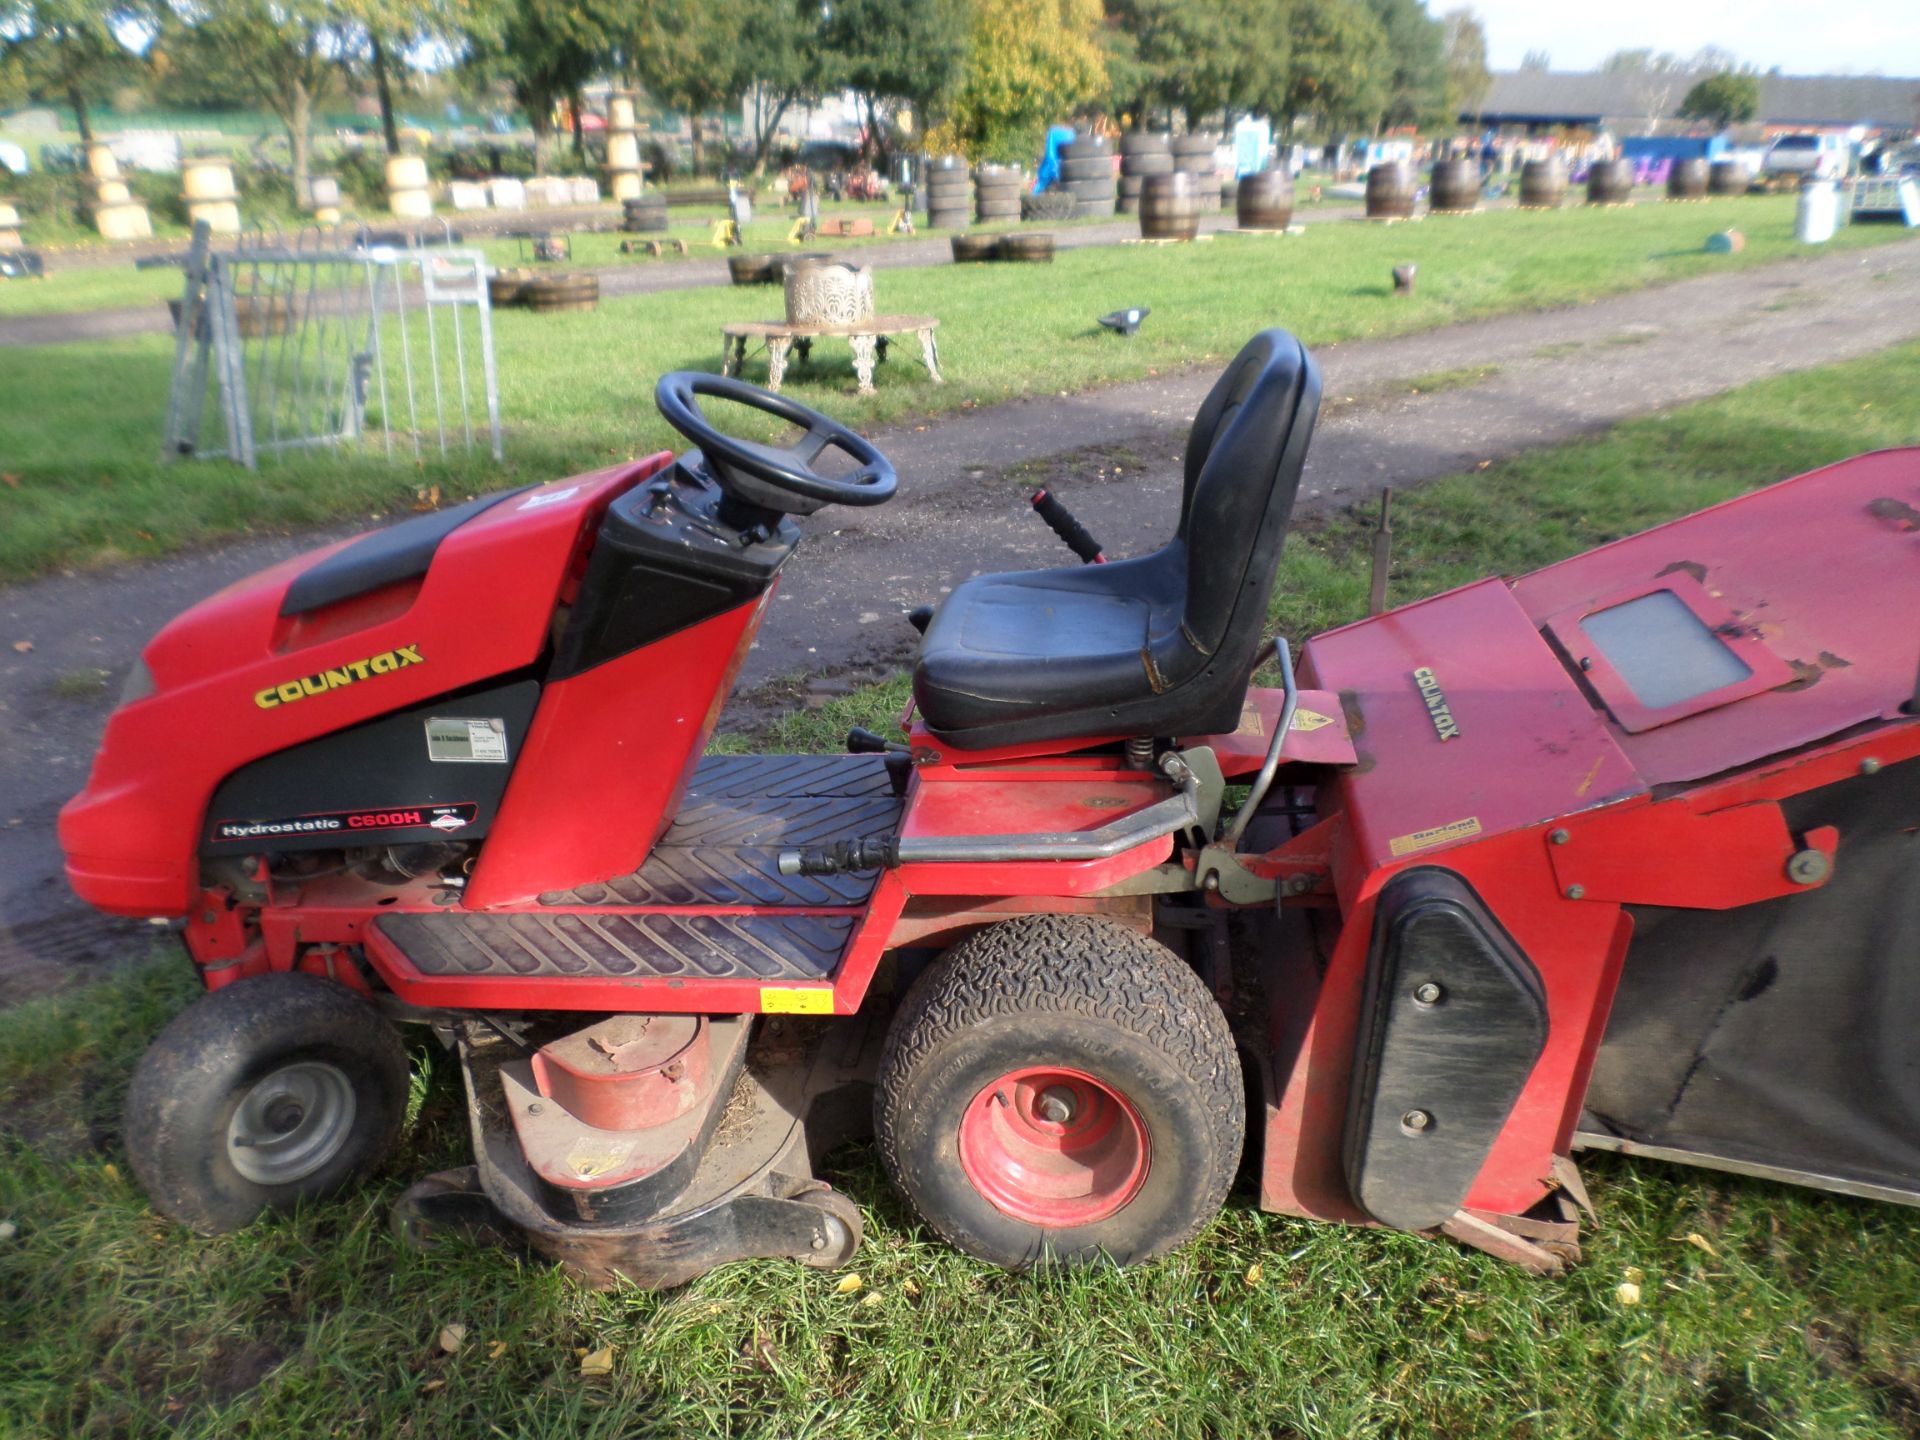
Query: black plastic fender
1453, 1020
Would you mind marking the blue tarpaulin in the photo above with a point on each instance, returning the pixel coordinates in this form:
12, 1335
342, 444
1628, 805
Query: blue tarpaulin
1049, 172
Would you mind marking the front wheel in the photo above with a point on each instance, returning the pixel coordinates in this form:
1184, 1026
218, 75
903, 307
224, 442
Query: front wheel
275, 1089
1058, 1087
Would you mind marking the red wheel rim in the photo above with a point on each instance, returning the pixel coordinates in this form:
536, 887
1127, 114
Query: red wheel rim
1054, 1147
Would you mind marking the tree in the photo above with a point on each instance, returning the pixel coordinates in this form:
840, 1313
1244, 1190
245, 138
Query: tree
1728, 98
1416, 78
1029, 62
1652, 77
383, 33
784, 60
1536, 60
1339, 64
545, 50
279, 53
1464, 42
908, 52
69, 50
1184, 54
689, 54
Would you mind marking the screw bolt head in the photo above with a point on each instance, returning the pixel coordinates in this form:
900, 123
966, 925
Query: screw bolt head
1415, 1121
1870, 766
1576, 892
1427, 994
1559, 837
536, 1108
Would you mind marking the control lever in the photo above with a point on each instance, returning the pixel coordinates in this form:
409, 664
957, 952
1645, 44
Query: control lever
862, 741
1060, 520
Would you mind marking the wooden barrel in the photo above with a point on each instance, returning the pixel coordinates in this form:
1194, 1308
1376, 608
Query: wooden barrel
753, 269
100, 162
1264, 200
1031, 246
574, 290
504, 287
969, 248
407, 192
324, 190
623, 150
1170, 207
9, 225
1728, 177
620, 110
111, 192
1687, 180
1543, 184
1390, 191
1610, 182
1455, 186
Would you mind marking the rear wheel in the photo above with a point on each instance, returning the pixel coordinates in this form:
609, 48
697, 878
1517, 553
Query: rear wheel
1058, 1087
273, 1090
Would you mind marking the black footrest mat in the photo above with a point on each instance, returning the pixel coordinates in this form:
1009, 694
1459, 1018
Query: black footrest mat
676, 947
740, 812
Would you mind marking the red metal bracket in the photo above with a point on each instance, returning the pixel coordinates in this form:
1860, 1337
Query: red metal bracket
1669, 854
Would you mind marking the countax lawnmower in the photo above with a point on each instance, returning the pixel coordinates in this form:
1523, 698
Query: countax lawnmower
1617, 855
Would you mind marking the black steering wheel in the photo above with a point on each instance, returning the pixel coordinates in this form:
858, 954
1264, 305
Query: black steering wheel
772, 477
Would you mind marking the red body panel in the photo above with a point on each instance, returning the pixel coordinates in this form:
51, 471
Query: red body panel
603, 768
482, 610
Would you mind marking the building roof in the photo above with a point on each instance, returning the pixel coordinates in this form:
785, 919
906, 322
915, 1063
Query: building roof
1563, 97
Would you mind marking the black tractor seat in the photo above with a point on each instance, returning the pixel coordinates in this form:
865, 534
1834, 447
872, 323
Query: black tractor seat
1161, 645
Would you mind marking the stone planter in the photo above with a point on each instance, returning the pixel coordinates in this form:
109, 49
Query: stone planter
829, 292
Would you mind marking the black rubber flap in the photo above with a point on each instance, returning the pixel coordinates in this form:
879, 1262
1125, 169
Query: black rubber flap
399, 552
1452, 1023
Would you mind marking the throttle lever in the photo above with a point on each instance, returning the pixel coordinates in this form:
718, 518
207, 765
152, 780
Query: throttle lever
1060, 520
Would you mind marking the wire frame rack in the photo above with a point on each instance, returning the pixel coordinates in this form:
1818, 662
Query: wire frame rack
293, 343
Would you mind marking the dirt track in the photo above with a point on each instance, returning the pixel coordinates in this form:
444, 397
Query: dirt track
1113, 454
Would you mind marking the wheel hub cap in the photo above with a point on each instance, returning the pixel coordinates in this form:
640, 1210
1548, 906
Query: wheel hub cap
291, 1123
1054, 1147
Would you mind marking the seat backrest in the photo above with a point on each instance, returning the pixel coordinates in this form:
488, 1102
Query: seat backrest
1244, 457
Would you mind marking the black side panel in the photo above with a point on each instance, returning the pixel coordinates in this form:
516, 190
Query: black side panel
399, 552
380, 783
667, 557
1453, 1021
1783, 1034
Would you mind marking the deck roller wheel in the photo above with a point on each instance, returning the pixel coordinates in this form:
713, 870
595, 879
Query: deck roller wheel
1061, 1088
271, 1091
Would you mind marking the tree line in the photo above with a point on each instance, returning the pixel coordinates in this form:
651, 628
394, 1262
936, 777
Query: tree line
984, 77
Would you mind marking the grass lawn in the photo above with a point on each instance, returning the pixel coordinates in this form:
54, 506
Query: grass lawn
1762, 1310
82, 428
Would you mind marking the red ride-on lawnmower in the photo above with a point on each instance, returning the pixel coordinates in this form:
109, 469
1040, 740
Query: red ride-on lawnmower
1619, 855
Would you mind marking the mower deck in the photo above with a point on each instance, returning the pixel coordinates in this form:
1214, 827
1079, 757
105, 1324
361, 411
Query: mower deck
679, 915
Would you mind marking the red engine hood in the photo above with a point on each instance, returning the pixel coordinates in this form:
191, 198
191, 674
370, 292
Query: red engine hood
232, 679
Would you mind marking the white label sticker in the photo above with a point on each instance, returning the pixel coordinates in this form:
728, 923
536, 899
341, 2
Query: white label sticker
467, 742
548, 497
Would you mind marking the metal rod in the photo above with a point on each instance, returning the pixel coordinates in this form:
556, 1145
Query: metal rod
1264, 780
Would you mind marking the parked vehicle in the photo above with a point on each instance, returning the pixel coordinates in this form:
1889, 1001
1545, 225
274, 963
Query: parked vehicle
1810, 154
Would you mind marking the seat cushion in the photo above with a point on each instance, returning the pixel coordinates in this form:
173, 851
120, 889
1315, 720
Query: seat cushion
1037, 643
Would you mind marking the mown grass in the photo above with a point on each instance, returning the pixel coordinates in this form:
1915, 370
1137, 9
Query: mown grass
1763, 1311
81, 429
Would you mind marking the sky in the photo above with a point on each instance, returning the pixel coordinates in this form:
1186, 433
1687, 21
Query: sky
1877, 37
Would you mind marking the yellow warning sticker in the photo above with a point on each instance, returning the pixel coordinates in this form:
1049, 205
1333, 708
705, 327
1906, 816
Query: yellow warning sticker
1438, 835
794, 1000
1253, 723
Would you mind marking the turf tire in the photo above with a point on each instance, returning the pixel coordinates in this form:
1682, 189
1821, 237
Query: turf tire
192, 1079
1072, 990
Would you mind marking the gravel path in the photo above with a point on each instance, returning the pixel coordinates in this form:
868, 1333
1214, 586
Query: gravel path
1549, 377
